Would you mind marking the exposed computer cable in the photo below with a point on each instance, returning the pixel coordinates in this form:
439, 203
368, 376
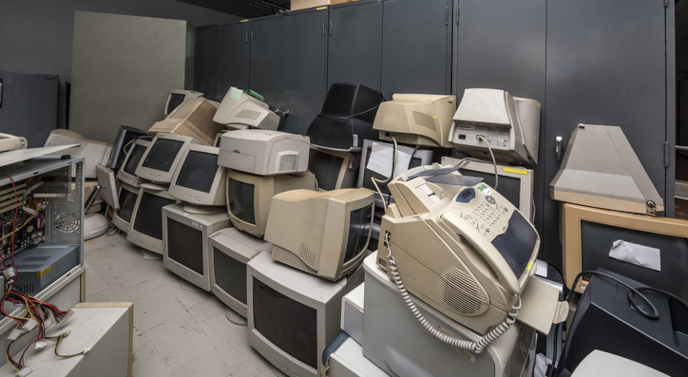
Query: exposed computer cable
475, 347
494, 162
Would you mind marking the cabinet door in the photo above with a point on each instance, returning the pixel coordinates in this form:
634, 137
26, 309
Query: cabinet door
501, 44
605, 65
206, 64
234, 57
416, 47
305, 65
355, 45
267, 52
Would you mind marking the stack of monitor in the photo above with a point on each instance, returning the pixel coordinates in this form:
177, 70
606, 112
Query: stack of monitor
245, 109
333, 169
125, 136
177, 96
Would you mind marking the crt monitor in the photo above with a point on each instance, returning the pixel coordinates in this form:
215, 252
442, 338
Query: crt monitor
146, 223
199, 180
185, 242
108, 186
491, 119
333, 170
475, 278
177, 96
651, 250
242, 109
376, 162
124, 137
93, 151
248, 197
293, 316
160, 160
515, 182
322, 233
346, 118
606, 320
229, 250
416, 119
127, 199
134, 152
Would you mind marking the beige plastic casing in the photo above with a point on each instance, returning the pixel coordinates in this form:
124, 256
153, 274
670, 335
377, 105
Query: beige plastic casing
145, 241
216, 196
161, 177
347, 170
264, 152
309, 229
125, 177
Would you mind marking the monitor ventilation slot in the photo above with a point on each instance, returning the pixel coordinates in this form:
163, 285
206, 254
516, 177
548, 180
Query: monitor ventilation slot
288, 163
462, 293
307, 255
340, 99
424, 120
287, 257
248, 114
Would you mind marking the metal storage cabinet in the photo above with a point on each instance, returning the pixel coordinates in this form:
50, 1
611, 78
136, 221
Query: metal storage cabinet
267, 63
607, 64
305, 67
234, 53
355, 45
28, 106
501, 44
416, 47
206, 67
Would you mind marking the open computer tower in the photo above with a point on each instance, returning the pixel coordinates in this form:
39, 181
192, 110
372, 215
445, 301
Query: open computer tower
229, 250
293, 316
127, 173
146, 222
185, 242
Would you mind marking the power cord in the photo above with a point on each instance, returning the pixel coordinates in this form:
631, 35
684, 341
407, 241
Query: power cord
475, 347
391, 175
494, 162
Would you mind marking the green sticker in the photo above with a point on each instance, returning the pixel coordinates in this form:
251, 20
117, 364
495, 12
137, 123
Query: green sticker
235, 93
482, 187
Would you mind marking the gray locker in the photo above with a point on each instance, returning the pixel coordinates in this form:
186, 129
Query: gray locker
606, 64
501, 44
355, 45
416, 47
305, 67
234, 54
206, 68
267, 52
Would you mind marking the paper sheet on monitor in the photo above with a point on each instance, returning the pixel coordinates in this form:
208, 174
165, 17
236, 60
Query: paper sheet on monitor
381, 159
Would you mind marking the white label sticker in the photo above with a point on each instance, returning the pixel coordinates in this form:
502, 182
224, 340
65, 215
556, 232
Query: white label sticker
487, 191
640, 255
381, 157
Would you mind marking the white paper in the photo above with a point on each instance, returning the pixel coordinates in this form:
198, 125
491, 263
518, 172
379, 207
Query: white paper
541, 268
381, 158
639, 255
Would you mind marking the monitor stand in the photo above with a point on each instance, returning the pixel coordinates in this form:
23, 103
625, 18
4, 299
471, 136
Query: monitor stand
203, 210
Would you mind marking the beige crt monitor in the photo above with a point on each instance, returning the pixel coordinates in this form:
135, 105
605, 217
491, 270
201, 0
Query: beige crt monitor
160, 160
264, 152
509, 125
333, 170
177, 96
10, 142
469, 254
322, 233
600, 169
127, 198
94, 152
240, 110
146, 222
416, 119
248, 197
198, 179
127, 172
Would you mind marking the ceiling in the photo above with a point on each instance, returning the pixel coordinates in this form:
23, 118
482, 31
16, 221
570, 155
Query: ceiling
239, 8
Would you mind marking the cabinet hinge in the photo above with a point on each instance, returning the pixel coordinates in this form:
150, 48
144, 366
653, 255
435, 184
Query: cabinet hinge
666, 154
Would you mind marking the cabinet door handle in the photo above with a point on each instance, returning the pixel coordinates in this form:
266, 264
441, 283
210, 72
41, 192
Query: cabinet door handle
558, 147
251, 36
323, 31
331, 28
246, 36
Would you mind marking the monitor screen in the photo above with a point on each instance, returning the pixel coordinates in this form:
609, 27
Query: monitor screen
127, 201
326, 168
185, 245
368, 174
240, 196
162, 154
509, 187
288, 324
198, 171
359, 229
230, 275
134, 158
175, 100
149, 215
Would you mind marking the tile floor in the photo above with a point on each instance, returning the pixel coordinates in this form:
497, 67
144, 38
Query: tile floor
179, 330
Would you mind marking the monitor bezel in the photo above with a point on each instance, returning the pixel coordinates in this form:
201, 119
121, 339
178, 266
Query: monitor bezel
572, 218
525, 176
306, 289
207, 224
119, 144
188, 94
346, 177
132, 180
108, 184
118, 221
239, 246
143, 240
158, 176
216, 196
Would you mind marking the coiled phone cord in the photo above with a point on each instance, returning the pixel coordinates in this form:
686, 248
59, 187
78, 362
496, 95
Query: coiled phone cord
475, 347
